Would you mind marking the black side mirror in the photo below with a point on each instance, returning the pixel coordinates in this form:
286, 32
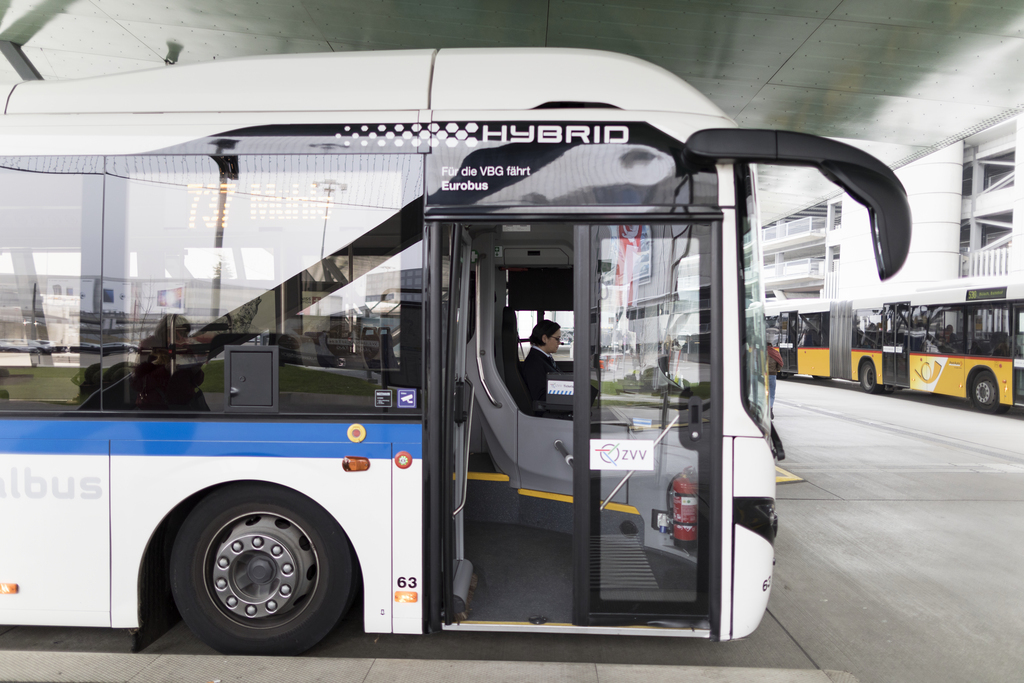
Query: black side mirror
861, 175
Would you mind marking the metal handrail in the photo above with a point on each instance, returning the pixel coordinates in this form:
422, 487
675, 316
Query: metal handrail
479, 354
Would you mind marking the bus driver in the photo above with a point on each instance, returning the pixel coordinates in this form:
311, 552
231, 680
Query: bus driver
544, 341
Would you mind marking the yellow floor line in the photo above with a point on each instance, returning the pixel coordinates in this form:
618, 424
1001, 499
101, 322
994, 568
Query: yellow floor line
784, 477
488, 476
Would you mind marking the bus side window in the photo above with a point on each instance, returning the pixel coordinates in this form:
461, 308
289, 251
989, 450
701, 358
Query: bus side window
988, 330
299, 264
945, 323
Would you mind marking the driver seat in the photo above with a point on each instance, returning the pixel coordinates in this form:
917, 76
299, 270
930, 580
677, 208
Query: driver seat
510, 361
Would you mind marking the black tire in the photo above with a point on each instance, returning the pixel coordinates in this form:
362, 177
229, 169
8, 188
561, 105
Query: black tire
985, 394
869, 378
290, 571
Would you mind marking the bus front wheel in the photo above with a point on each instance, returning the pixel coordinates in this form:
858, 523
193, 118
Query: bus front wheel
985, 394
261, 570
869, 378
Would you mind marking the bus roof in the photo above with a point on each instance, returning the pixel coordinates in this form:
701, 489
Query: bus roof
397, 80
924, 295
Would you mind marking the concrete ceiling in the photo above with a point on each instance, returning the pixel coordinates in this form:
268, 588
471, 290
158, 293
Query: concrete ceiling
894, 77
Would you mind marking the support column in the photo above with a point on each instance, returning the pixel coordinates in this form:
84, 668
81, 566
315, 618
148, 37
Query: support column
934, 187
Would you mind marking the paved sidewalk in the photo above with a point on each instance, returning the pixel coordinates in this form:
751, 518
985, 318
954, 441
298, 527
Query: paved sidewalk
77, 667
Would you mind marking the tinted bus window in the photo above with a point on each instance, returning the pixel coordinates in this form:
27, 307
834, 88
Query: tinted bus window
319, 256
50, 293
813, 330
867, 329
945, 329
772, 329
988, 330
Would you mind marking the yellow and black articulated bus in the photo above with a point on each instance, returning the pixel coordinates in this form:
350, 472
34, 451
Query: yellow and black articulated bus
965, 341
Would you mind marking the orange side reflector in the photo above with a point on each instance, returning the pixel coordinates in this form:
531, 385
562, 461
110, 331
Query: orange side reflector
12, 588
406, 596
353, 464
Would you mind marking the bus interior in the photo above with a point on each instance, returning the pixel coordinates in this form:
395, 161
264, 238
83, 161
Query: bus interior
513, 539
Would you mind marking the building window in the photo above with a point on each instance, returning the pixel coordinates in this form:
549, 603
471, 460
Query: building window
995, 228
997, 171
965, 237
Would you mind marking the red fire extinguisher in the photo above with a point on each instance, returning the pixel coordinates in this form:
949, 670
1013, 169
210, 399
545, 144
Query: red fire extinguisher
683, 502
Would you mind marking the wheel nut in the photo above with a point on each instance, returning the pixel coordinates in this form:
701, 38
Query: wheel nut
237, 546
257, 542
286, 590
276, 551
251, 610
286, 568
232, 601
271, 606
223, 563
222, 583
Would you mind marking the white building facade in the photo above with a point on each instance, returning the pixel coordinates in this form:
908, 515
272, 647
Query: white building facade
968, 222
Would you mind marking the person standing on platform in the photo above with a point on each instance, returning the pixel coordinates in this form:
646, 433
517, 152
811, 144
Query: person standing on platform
775, 364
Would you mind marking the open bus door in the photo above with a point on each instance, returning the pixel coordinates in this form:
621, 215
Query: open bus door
788, 330
646, 443
458, 396
641, 439
896, 344
1018, 355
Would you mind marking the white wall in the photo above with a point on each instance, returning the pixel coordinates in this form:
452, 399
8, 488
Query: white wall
934, 186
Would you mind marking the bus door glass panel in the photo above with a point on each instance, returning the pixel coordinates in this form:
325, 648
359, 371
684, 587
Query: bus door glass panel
788, 340
888, 341
458, 393
896, 345
51, 298
903, 345
1018, 355
650, 329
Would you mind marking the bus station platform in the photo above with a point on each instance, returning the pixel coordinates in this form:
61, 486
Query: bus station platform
897, 559
79, 667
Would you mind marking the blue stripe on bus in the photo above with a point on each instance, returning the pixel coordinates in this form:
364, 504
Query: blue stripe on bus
269, 439
246, 449
55, 446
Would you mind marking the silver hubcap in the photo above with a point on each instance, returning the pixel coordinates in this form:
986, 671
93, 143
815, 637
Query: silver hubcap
983, 392
265, 567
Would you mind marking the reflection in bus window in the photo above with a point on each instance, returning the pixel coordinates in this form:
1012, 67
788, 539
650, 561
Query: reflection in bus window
867, 329
813, 330
988, 330
937, 329
302, 253
50, 298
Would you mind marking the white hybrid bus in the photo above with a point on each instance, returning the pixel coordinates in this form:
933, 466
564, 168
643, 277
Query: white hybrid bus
260, 347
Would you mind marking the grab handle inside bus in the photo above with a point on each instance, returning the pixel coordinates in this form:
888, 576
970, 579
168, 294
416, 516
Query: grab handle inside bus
862, 176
